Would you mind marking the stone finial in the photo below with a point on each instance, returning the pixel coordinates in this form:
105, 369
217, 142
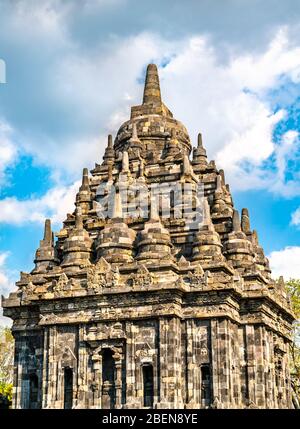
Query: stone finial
134, 140
45, 256
236, 224
200, 143
207, 244
78, 218
245, 221
152, 93
222, 203
152, 102
238, 249
109, 141
154, 242
212, 164
48, 236
282, 287
125, 162
222, 174
117, 207
83, 197
199, 155
85, 186
77, 246
109, 154
173, 147
115, 240
261, 262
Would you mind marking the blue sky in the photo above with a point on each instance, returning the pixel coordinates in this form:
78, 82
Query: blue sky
229, 69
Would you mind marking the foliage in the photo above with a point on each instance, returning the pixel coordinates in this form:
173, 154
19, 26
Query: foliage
293, 288
6, 365
6, 390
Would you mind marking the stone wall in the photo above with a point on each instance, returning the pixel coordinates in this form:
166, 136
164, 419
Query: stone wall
195, 364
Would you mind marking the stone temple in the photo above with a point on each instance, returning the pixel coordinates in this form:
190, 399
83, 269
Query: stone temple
138, 305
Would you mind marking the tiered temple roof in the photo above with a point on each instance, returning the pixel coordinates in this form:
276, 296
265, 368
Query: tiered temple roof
151, 148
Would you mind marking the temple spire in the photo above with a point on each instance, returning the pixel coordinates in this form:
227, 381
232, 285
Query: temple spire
85, 180
109, 141
115, 241
45, 257
245, 222
152, 93
109, 154
200, 143
83, 197
199, 155
48, 232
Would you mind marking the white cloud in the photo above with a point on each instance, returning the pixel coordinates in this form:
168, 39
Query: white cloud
8, 149
229, 104
286, 153
6, 284
3, 257
261, 72
54, 204
227, 100
295, 218
286, 262
67, 158
39, 19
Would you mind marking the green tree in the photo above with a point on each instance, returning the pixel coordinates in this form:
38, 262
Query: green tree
6, 365
293, 288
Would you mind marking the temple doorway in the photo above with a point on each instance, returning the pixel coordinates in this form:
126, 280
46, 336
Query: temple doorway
33, 390
205, 386
108, 380
68, 388
148, 386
